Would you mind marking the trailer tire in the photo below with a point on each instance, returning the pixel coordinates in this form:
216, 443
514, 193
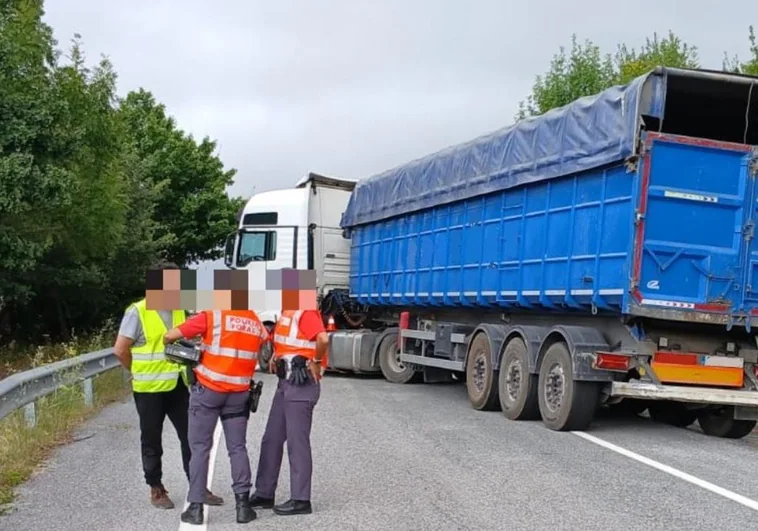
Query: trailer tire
517, 388
392, 368
565, 404
481, 383
721, 423
672, 413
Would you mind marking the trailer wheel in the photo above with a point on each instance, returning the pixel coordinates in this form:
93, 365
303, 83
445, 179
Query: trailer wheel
565, 404
517, 388
672, 413
721, 423
393, 369
480, 376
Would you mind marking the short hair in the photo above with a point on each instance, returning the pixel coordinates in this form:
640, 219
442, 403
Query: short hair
160, 265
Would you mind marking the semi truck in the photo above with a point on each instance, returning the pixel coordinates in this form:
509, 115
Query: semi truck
602, 254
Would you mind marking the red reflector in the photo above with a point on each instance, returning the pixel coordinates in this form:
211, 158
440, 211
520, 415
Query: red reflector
676, 358
712, 307
612, 362
405, 318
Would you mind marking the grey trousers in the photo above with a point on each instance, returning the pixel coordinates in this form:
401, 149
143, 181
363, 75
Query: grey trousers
206, 407
289, 420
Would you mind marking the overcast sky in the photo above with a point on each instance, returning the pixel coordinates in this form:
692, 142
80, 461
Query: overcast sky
351, 88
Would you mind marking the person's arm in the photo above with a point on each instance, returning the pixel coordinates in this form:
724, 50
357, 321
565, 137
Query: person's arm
123, 351
312, 327
128, 333
192, 327
322, 344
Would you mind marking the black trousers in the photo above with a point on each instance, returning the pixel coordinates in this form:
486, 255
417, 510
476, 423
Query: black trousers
153, 408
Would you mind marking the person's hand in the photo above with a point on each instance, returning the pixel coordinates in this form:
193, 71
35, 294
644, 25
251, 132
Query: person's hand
315, 368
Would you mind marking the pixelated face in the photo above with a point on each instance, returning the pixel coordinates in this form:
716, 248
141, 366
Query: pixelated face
257, 289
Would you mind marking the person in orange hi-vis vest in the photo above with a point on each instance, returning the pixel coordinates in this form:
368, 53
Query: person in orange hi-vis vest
231, 340
300, 352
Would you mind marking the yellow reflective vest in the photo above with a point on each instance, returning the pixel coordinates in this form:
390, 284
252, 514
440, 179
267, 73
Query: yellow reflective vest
151, 371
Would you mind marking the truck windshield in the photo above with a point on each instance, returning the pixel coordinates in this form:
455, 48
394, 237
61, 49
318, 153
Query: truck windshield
256, 247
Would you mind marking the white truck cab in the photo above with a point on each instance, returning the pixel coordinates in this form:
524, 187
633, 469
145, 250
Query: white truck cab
296, 228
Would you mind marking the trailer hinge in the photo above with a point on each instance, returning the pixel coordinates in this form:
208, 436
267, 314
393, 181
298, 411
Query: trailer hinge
753, 166
632, 163
748, 231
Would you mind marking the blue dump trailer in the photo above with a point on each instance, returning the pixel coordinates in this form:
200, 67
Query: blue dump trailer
601, 255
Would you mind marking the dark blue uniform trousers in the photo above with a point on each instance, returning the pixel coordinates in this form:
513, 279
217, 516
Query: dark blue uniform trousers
206, 407
289, 420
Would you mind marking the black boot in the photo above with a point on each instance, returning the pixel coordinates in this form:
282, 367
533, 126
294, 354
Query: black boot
263, 503
293, 507
245, 512
193, 514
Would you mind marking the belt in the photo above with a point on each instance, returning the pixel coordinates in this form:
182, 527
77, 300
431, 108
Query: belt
284, 368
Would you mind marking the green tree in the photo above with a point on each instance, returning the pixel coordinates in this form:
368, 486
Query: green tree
751, 66
670, 51
193, 212
585, 71
582, 72
34, 185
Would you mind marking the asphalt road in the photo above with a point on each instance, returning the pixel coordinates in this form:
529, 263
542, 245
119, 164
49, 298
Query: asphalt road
417, 457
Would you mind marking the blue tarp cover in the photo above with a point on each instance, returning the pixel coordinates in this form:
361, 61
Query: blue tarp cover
585, 134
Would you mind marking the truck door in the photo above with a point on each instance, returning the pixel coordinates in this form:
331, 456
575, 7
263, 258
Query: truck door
750, 262
275, 246
696, 205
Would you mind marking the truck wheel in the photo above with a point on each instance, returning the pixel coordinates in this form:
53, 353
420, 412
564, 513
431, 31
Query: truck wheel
672, 413
393, 369
480, 376
565, 404
516, 387
721, 423
265, 357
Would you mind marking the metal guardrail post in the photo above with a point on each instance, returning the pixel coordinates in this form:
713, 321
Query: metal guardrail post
30, 414
22, 389
88, 392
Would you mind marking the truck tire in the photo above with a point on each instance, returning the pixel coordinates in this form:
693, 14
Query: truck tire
721, 423
672, 413
517, 388
393, 369
481, 381
565, 404
266, 352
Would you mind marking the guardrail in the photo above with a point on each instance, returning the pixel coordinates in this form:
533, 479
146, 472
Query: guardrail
22, 389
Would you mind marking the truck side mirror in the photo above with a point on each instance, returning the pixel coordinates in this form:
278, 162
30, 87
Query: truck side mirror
229, 250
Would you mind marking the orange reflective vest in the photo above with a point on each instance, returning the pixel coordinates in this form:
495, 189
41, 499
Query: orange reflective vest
289, 341
230, 350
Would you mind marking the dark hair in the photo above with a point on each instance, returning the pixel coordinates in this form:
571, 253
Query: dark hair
163, 264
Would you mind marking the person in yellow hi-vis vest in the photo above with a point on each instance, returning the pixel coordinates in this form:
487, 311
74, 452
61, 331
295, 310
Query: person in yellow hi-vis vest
160, 389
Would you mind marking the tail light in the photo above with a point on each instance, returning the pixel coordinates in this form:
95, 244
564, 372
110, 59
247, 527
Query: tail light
612, 362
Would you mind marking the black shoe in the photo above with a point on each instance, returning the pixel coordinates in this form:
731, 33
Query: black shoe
293, 507
193, 514
245, 511
261, 503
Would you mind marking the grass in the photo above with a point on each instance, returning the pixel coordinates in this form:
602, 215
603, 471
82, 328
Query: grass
23, 449
16, 357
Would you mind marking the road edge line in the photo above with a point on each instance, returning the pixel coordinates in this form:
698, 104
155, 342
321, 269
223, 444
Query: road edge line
721, 491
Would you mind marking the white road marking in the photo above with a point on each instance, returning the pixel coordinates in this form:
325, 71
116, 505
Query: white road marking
747, 502
211, 465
